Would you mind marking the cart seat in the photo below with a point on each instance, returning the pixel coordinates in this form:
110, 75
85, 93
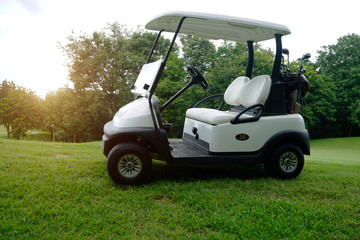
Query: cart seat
212, 116
231, 95
242, 91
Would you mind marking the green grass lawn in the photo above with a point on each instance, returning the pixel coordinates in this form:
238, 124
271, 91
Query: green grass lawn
2, 131
62, 191
32, 135
336, 150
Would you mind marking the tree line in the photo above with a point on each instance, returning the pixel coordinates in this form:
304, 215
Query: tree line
103, 66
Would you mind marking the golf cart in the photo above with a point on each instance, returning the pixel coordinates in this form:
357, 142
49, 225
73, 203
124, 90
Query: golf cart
263, 126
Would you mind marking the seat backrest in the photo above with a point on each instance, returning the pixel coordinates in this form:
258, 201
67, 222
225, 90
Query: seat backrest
255, 91
232, 94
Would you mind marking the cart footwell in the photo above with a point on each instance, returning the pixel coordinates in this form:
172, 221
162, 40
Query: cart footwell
183, 152
183, 149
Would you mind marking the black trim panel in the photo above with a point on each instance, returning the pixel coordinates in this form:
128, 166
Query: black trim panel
199, 142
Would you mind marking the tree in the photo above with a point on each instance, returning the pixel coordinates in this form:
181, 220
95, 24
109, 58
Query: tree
263, 61
140, 44
319, 104
198, 52
340, 65
20, 109
356, 114
6, 113
231, 60
102, 63
52, 108
76, 116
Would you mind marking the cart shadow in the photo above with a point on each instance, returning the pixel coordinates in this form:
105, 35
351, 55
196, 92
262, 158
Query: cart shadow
162, 171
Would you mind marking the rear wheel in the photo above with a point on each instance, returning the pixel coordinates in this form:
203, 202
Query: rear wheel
286, 162
129, 163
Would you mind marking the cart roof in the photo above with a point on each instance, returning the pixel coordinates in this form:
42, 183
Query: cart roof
213, 26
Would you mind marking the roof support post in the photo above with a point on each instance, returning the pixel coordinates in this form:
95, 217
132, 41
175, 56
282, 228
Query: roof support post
275, 75
250, 63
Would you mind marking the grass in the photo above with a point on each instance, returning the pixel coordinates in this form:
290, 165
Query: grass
33, 135
339, 151
62, 191
2, 131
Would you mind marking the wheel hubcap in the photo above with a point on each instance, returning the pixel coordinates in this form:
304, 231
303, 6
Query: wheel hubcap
288, 162
129, 166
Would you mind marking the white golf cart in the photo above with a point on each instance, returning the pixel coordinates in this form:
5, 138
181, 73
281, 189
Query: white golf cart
263, 126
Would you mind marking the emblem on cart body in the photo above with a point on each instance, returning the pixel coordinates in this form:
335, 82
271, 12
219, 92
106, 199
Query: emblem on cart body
242, 137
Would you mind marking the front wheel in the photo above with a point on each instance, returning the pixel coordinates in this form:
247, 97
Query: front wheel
286, 162
128, 163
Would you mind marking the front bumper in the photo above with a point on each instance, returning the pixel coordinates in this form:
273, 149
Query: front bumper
114, 135
105, 145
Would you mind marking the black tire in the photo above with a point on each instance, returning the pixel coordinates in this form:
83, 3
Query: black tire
286, 162
128, 163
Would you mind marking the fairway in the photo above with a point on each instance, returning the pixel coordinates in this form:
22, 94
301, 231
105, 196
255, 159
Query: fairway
2, 131
336, 150
62, 191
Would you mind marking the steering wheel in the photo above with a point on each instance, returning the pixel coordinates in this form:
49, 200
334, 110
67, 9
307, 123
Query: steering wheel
198, 78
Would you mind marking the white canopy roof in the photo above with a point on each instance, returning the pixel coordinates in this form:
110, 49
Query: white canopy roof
213, 26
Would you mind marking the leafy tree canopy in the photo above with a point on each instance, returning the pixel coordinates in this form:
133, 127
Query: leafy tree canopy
20, 109
340, 66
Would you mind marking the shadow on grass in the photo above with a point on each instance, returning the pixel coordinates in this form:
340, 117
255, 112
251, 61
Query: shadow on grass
161, 171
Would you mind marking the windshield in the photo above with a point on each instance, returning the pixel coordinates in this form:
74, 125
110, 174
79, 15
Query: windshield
146, 78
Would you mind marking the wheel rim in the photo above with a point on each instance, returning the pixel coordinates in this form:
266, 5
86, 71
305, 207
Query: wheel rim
288, 162
129, 165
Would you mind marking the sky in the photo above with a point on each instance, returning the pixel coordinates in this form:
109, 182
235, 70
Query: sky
31, 30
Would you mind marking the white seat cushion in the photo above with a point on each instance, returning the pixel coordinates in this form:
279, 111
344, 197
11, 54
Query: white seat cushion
212, 116
255, 91
232, 94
